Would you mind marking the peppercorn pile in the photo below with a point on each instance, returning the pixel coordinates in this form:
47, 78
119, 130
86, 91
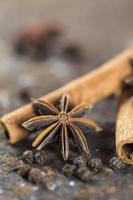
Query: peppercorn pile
32, 165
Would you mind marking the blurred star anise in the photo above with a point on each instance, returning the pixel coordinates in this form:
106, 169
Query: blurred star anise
64, 122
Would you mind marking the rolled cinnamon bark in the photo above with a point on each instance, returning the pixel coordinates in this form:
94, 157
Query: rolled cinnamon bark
124, 128
89, 88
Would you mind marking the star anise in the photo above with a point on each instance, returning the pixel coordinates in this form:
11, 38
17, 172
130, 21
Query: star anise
63, 121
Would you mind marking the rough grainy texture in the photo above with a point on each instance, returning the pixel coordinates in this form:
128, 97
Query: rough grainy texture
103, 28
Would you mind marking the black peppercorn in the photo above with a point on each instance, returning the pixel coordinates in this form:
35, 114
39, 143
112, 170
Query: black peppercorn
39, 158
23, 169
116, 163
79, 161
84, 174
28, 157
95, 164
35, 175
68, 169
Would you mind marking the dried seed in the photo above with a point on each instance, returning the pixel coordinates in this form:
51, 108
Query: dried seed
79, 161
23, 169
68, 169
116, 163
28, 157
35, 175
95, 164
84, 174
39, 158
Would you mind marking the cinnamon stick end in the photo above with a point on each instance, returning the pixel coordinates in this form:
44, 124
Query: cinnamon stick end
125, 151
11, 134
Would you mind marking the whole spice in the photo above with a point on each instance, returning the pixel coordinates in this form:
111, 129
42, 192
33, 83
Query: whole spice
124, 126
89, 89
23, 169
84, 174
28, 157
95, 164
116, 163
69, 169
39, 158
66, 121
79, 161
35, 175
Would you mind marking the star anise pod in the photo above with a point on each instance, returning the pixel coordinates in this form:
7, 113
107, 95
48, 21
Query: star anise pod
63, 121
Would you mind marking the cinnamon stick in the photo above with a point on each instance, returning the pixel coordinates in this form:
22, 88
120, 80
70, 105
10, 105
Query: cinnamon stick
89, 88
124, 127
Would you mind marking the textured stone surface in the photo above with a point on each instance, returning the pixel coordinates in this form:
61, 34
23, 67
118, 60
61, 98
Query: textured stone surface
102, 28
